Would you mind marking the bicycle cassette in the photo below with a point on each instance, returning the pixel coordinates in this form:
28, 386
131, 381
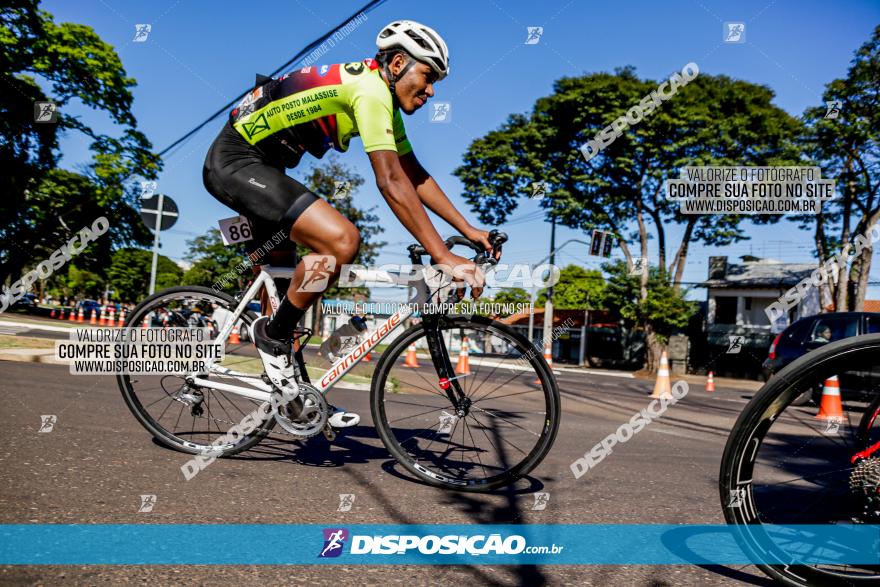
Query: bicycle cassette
306, 415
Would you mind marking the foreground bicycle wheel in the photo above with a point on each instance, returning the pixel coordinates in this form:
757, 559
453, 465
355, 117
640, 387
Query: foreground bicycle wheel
511, 416
182, 418
802, 464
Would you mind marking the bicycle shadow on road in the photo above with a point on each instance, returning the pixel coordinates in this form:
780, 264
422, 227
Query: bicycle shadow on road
360, 445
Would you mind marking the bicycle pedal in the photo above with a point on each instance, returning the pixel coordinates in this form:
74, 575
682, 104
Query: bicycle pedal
329, 433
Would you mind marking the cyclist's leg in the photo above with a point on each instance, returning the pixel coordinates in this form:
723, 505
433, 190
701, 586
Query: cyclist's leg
236, 175
270, 246
329, 234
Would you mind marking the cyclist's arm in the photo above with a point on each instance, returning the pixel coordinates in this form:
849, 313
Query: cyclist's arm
398, 191
432, 195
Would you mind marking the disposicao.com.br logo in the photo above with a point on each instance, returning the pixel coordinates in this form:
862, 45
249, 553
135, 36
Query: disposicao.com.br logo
431, 544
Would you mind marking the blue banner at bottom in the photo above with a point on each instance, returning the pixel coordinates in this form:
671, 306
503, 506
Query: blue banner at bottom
221, 544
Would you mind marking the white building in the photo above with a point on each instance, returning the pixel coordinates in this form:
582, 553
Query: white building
738, 296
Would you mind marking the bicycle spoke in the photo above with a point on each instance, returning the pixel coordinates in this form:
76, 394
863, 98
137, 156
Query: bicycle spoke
474, 442
507, 441
491, 391
397, 401
497, 397
508, 421
414, 416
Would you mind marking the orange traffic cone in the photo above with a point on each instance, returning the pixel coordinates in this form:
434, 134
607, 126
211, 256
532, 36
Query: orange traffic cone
61, 314
72, 316
146, 323
367, 358
710, 382
102, 321
121, 317
111, 319
663, 387
80, 317
548, 356
52, 313
235, 337
830, 407
463, 367
411, 360
93, 319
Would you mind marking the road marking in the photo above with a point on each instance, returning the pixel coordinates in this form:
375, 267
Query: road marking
13, 330
34, 326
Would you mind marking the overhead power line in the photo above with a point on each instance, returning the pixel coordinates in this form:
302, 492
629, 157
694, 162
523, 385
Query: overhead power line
308, 49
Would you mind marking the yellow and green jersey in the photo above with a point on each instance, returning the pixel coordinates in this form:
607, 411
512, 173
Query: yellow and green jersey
317, 108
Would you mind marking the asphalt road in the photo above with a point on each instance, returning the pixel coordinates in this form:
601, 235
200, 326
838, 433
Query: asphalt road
97, 462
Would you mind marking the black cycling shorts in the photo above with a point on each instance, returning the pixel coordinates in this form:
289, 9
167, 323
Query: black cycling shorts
241, 177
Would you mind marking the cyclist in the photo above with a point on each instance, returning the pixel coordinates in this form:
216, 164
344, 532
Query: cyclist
311, 110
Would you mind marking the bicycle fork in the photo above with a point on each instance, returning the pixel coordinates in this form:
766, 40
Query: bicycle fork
448, 380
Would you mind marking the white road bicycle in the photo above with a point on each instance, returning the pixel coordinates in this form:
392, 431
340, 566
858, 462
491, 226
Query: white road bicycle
475, 426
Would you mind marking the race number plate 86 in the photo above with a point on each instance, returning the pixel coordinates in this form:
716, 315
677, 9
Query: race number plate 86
236, 230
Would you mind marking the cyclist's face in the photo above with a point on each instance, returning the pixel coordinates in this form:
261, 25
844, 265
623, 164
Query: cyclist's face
414, 88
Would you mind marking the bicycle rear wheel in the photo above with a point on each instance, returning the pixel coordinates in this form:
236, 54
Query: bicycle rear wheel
793, 464
510, 416
186, 418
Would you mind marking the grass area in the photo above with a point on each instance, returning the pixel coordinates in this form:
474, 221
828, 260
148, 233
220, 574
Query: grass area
255, 366
25, 342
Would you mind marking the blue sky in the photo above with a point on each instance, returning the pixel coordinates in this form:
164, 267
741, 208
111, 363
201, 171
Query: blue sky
199, 55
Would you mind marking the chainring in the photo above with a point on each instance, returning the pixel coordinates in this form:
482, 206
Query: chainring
306, 415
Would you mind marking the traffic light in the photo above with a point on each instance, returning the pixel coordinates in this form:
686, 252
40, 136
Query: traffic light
602, 244
596, 243
607, 244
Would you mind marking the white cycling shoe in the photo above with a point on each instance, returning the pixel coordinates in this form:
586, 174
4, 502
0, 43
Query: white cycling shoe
276, 356
339, 418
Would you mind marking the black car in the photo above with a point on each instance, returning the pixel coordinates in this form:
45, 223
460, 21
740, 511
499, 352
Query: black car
27, 302
812, 332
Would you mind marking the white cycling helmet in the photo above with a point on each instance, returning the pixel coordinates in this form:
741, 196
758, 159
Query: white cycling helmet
423, 43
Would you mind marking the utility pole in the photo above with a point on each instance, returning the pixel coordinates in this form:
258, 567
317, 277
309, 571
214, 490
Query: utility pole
551, 257
548, 305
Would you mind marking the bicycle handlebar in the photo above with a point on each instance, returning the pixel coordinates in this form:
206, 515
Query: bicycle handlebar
496, 239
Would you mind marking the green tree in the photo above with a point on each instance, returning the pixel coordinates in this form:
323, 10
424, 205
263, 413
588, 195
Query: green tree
339, 184
506, 295
84, 283
577, 289
848, 149
216, 264
665, 309
129, 274
511, 295
44, 206
713, 120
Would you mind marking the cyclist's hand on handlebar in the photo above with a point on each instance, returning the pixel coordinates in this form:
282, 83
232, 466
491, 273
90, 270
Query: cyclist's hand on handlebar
482, 237
463, 271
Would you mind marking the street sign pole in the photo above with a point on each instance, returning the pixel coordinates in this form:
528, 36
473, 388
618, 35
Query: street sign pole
160, 213
535, 291
158, 228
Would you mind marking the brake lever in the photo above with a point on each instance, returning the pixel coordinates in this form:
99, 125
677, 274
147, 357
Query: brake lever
496, 239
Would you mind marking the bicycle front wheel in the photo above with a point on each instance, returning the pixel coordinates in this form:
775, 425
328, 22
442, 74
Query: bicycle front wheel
501, 432
790, 463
